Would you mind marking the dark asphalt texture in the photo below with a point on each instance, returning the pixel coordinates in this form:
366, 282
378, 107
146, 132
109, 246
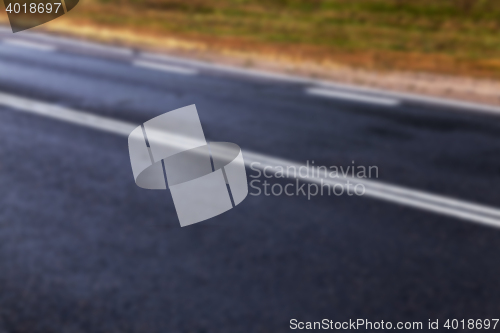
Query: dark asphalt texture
83, 249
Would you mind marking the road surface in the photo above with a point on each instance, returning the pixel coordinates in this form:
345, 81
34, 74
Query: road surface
83, 249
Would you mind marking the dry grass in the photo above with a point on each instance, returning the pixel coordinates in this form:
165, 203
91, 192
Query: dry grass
445, 36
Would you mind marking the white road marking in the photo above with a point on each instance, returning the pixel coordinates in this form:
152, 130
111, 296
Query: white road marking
30, 45
82, 44
66, 114
461, 209
456, 105
351, 96
212, 66
446, 102
457, 208
165, 68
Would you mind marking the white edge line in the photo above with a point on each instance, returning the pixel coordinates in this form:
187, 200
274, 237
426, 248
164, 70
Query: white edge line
66, 114
30, 45
379, 187
414, 198
351, 96
164, 68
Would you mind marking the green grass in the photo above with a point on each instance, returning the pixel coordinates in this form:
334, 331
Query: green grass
463, 30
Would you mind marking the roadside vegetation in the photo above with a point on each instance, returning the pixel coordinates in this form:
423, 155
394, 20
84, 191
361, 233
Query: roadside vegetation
448, 36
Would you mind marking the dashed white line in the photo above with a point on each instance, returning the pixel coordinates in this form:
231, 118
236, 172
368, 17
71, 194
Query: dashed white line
165, 68
456, 105
460, 105
461, 209
83, 44
219, 67
351, 96
30, 45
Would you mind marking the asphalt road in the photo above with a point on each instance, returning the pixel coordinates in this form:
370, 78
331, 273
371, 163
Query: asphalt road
83, 249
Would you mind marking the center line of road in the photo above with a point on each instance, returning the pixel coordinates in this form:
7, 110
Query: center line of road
82, 44
164, 67
352, 96
461, 209
393, 96
30, 45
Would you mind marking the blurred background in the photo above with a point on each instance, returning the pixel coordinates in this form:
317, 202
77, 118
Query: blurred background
448, 36
408, 86
395, 44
